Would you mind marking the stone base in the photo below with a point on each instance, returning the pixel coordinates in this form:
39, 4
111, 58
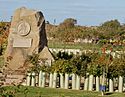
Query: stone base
14, 79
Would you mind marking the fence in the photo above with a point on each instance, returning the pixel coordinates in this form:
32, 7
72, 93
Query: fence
73, 81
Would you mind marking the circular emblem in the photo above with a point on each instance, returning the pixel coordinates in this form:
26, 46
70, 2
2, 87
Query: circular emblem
23, 28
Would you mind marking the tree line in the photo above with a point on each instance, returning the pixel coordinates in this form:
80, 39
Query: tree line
68, 31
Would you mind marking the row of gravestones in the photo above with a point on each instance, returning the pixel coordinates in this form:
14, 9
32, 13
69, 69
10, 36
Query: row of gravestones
66, 81
78, 51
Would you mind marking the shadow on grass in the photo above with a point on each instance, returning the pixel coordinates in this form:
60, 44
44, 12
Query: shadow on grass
108, 93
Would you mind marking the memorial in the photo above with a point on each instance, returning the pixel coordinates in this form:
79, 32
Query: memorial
27, 36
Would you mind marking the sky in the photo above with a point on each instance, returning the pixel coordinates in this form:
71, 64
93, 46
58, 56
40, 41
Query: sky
86, 12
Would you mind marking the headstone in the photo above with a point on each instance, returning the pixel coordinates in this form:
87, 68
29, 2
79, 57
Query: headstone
27, 36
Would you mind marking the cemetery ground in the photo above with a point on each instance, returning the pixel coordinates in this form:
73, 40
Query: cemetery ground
64, 45
81, 46
23, 91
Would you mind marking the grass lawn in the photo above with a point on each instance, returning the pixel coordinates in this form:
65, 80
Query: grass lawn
22, 91
82, 46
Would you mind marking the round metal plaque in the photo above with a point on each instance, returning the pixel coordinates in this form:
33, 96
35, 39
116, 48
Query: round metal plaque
23, 28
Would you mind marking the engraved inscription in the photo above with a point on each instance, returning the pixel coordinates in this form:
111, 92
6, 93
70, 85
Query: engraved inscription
22, 42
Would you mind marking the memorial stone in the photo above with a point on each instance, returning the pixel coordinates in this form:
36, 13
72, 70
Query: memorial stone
27, 35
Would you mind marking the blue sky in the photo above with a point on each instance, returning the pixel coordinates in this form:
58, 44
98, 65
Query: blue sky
87, 12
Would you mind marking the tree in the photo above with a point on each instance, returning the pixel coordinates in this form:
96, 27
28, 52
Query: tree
69, 22
120, 70
94, 66
119, 66
67, 29
4, 32
110, 28
62, 63
80, 62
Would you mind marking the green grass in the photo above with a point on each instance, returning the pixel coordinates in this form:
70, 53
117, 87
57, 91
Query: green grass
82, 46
50, 92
